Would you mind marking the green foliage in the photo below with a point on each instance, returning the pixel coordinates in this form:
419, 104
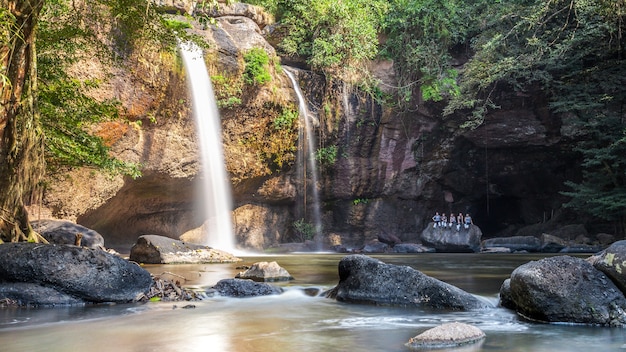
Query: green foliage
602, 192
327, 155
335, 37
270, 6
358, 201
135, 21
420, 34
285, 120
256, 70
176, 25
68, 111
6, 27
565, 47
227, 90
304, 230
438, 88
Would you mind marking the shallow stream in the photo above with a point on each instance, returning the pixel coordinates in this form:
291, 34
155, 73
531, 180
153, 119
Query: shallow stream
295, 321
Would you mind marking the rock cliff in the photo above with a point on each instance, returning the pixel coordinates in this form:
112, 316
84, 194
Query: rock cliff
392, 170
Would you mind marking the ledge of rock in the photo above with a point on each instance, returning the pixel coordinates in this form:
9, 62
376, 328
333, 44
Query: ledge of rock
244, 288
77, 273
264, 271
446, 336
154, 249
367, 280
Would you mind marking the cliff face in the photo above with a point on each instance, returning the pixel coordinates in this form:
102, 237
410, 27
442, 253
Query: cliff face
392, 170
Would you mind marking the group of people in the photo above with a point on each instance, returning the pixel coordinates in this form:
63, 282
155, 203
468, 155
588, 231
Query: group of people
454, 221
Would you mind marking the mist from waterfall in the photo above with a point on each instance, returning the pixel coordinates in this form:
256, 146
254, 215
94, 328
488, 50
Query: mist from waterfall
218, 227
306, 142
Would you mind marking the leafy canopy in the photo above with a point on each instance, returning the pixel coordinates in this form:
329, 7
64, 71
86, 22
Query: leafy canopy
68, 35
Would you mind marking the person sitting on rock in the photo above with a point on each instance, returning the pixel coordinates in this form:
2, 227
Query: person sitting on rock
444, 220
459, 221
437, 220
468, 221
452, 220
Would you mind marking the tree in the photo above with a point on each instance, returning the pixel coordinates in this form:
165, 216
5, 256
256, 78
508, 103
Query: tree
21, 148
420, 35
602, 191
573, 52
336, 37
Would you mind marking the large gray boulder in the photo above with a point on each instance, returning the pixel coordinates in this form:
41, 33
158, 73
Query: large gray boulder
612, 262
65, 232
90, 275
244, 288
565, 289
445, 239
367, 280
31, 294
155, 249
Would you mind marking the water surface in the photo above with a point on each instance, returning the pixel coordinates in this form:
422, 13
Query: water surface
295, 321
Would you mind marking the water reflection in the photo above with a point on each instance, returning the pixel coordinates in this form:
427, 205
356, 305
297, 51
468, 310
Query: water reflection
295, 321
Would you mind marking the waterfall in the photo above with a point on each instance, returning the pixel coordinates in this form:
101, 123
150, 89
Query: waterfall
306, 141
218, 228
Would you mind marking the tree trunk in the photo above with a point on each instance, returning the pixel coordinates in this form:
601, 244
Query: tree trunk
21, 146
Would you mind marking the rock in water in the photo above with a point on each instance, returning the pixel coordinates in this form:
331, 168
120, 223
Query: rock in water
92, 275
565, 289
264, 271
612, 262
446, 336
154, 249
450, 240
367, 280
245, 288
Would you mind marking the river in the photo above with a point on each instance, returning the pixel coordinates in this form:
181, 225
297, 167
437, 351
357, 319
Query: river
294, 320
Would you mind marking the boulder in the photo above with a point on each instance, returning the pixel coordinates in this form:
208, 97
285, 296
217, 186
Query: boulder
495, 250
575, 232
92, 275
244, 288
65, 232
375, 247
389, 239
264, 271
411, 248
447, 335
506, 300
515, 243
367, 280
154, 249
445, 239
31, 294
612, 262
552, 244
567, 290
